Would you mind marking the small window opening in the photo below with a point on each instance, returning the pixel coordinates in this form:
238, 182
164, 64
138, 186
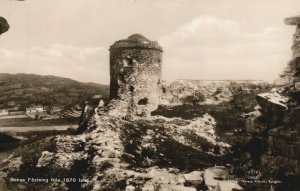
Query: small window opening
131, 89
128, 62
164, 90
143, 101
122, 77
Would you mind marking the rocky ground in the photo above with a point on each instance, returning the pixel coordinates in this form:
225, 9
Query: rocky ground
183, 146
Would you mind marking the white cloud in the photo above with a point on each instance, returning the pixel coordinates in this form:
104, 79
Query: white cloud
204, 48
213, 48
81, 63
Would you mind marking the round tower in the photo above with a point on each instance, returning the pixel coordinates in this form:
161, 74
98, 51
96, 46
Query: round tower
135, 74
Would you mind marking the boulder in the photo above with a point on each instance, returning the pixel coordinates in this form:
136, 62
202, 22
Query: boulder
130, 188
217, 178
45, 159
272, 102
194, 178
273, 107
4, 26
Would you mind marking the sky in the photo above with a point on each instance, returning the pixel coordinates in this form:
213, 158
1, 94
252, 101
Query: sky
201, 39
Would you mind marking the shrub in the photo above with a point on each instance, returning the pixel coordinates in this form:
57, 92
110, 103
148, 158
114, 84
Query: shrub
193, 98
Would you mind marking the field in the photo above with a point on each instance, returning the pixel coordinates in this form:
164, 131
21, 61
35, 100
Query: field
16, 131
28, 122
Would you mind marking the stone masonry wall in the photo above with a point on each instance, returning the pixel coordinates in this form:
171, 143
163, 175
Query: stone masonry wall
136, 78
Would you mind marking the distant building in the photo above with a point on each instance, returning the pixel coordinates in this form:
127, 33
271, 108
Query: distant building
56, 109
4, 112
15, 111
35, 109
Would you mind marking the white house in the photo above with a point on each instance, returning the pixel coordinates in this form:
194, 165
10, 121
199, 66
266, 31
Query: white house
3, 112
35, 109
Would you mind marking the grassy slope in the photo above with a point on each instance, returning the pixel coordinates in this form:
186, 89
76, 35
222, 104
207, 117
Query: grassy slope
26, 89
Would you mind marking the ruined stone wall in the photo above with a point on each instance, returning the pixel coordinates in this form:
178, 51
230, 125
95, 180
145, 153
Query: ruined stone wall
280, 116
136, 78
291, 73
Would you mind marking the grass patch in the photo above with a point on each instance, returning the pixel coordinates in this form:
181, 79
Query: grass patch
28, 122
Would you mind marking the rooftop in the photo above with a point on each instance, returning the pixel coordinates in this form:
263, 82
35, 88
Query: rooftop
136, 41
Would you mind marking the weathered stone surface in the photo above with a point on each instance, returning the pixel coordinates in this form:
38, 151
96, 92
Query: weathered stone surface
274, 164
291, 73
45, 159
272, 102
4, 26
297, 86
194, 178
216, 178
284, 141
273, 106
296, 43
64, 144
207, 91
292, 20
130, 188
135, 72
282, 81
136, 41
281, 117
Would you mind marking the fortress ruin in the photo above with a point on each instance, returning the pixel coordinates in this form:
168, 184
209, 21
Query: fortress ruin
135, 74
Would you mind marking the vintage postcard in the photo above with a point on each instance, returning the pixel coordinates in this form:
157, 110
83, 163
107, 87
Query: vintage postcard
149, 95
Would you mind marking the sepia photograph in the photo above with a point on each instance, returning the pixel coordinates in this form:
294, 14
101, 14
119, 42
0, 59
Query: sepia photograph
149, 95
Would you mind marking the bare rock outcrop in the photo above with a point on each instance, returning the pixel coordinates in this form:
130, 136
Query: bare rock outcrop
280, 116
218, 179
291, 73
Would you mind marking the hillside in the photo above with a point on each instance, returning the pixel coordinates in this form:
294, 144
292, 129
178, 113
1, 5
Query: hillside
24, 90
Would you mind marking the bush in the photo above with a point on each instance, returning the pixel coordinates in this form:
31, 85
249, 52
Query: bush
193, 98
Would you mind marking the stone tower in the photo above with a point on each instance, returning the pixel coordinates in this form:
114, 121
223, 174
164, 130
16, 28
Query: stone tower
135, 74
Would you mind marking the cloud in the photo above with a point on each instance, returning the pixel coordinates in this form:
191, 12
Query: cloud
213, 48
204, 48
81, 63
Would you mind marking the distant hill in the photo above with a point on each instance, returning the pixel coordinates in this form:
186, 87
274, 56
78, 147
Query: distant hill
26, 89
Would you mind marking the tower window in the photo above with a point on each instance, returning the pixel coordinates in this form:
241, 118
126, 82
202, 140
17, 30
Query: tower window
131, 88
122, 77
143, 101
128, 62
